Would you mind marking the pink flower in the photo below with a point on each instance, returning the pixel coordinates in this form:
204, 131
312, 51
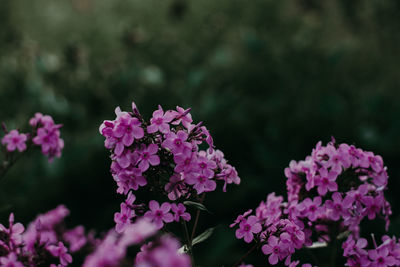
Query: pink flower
182, 115
158, 214
128, 129
76, 238
48, 137
247, 228
275, 248
61, 252
380, 257
179, 212
241, 218
176, 187
176, 142
123, 218
311, 208
14, 140
326, 181
201, 182
338, 207
10, 261
159, 121
148, 156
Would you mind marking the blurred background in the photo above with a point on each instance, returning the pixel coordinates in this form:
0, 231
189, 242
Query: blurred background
268, 78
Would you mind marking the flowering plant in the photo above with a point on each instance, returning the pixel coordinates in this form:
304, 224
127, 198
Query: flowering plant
328, 195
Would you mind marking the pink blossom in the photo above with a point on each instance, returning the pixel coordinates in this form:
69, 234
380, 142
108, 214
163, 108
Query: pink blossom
179, 212
148, 156
61, 252
274, 248
176, 142
14, 140
158, 214
159, 121
326, 181
10, 261
201, 182
247, 228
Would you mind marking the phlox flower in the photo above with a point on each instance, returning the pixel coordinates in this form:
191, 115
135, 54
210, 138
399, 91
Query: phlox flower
10, 261
159, 214
326, 181
14, 140
311, 208
339, 206
182, 116
148, 156
179, 212
61, 252
248, 227
241, 218
201, 182
123, 218
127, 129
275, 249
159, 121
176, 142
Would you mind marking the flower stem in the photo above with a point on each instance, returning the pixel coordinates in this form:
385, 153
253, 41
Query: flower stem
245, 255
197, 217
189, 242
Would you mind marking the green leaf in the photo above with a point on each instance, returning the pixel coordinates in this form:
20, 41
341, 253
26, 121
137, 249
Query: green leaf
196, 205
203, 236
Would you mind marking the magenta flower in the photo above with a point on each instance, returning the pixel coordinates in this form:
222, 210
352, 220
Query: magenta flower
127, 129
275, 248
201, 182
182, 115
247, 228
338, 207
311, 208
14, 140
184, 161
326, 181
373, 205
176, 187
179, 212
241, 218
148, 156
176, 142
49, 139
158, 214
76, 238
10, 261
380, 257
206, 166
14, 231
159, 121
123, 218
61, 252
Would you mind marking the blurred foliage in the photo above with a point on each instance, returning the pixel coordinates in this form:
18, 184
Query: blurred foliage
268, 78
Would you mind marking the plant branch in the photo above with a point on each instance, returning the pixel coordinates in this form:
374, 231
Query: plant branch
245, 255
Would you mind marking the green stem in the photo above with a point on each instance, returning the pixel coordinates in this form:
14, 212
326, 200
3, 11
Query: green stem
197, 217
239, 261
189, 242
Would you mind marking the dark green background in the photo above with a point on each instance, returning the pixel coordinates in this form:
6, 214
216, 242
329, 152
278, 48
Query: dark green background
268, 78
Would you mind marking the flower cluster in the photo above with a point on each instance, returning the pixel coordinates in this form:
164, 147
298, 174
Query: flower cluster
329, 193
386, 254
112, 251
338, 183
45, 133
164, 154
270, 227
163, 253
45, 241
